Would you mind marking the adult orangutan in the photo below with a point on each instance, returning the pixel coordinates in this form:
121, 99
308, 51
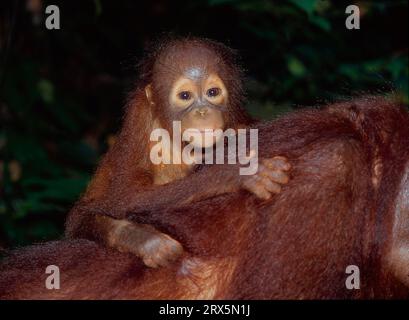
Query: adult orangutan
196, 82
346, 204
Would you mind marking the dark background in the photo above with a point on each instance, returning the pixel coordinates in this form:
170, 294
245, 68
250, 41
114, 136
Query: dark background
62, 91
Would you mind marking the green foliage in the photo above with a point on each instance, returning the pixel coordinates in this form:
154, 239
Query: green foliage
63, 90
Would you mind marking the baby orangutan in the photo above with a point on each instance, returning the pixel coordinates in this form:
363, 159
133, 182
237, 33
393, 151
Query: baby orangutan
197, 83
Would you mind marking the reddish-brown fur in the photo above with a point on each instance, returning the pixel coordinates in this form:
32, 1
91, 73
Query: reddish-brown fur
128, 181
347, 204
126, 169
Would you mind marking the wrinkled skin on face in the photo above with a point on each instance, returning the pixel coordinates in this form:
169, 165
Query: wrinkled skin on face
193, 90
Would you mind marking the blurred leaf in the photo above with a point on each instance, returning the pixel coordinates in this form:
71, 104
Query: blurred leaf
296, 67
98, 7
307, 5
321, 22
46, 89
63, 189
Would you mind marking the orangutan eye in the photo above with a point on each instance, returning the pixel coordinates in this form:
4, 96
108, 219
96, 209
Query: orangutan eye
185, 95
213, 92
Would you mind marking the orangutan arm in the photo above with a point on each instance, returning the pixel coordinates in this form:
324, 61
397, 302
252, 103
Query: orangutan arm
105, 220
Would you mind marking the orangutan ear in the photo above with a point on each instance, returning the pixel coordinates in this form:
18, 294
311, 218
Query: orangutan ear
148, 93
398, 256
